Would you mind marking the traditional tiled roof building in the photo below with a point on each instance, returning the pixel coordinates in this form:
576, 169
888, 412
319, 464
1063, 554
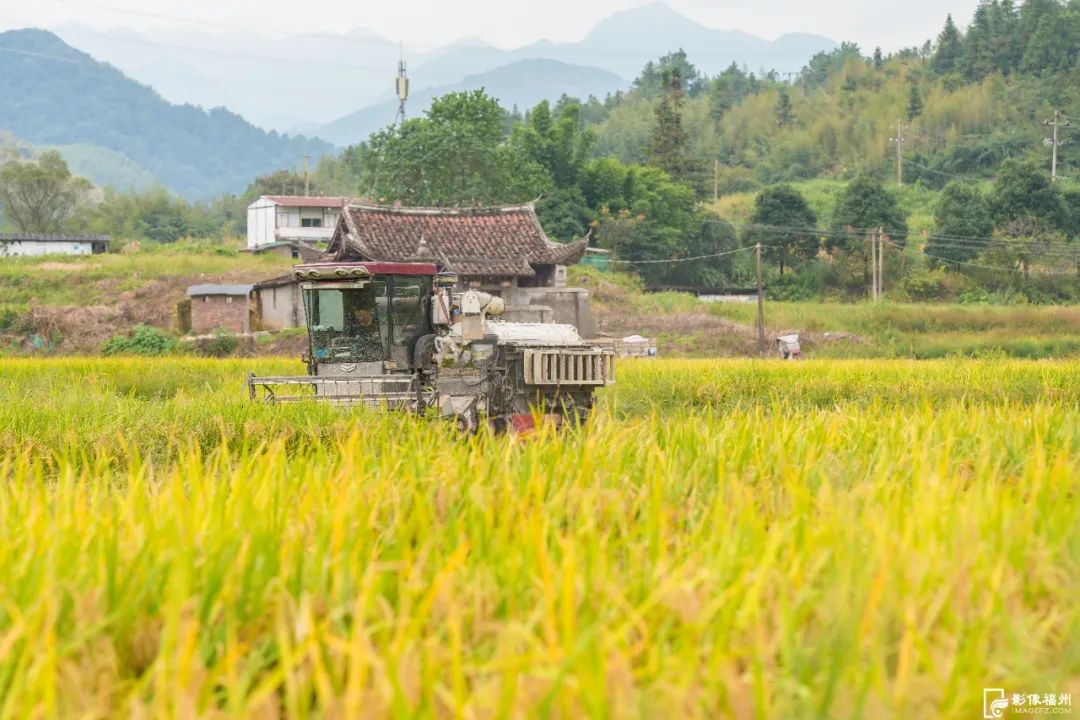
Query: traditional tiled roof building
491, 247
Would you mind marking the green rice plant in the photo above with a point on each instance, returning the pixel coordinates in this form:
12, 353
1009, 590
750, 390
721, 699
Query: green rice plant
723, 539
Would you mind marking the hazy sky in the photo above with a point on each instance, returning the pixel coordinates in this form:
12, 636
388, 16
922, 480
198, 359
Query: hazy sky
506, 23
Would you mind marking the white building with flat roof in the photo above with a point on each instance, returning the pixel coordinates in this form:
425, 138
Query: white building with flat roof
25, 244
292, 218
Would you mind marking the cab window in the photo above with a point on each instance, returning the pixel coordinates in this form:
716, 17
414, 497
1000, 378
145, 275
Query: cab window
347, 324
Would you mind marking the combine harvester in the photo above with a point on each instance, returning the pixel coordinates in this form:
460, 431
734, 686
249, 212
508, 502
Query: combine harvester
395, 335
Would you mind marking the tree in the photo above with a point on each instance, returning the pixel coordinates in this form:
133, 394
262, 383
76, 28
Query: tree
1022, 191
961, 212
949, 48
644, 214
668, 146
651, 81
455, 155
711, 237
782, 219
155, 214
1072, 204
783, 111
915, 102
865, 204
878, 59
1053, 34
977, 60
824, 64
564, 214
1028, 211
556, 142
40, 196
727, 90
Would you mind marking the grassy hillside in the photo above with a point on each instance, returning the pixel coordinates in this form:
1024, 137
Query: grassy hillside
964, 102
915, 199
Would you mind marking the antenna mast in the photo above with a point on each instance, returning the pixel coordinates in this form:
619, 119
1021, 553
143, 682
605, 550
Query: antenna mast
401, 85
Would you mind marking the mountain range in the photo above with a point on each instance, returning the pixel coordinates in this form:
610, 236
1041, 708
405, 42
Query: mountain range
127, 108
54, 95
310, 80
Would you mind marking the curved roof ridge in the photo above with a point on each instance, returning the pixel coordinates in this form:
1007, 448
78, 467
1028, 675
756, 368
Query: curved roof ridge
432, 210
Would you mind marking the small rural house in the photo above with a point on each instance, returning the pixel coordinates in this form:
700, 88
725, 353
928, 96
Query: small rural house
291, 219
220, 307
496, 249
279, 303
26, 244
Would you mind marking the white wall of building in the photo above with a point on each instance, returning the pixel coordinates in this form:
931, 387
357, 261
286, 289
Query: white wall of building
261, 219
26, 248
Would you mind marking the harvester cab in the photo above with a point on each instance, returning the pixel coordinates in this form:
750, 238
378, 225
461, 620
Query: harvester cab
398, 335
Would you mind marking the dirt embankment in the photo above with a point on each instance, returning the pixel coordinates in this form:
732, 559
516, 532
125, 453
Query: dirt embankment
80, 329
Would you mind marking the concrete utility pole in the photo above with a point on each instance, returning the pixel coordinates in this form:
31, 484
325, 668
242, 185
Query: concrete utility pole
307, 185
1054, 143
881, 262
760, 304
873, 266
899, 140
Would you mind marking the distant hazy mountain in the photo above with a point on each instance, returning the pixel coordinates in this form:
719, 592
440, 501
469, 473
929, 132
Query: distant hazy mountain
304, 80
523, 83
279, 83
104, 167
625, 41
53, 94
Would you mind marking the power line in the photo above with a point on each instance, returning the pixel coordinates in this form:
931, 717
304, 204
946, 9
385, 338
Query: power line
987, 267
939, 172
1033, 250
682, 260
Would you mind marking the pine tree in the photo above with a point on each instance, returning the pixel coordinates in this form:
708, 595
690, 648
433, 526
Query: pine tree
879, 60
977, 60
949, 48
915, 102
667, 148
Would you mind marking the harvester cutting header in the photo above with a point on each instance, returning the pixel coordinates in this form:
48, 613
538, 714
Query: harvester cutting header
398, 335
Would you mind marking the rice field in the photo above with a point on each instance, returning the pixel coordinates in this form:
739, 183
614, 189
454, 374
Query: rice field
740, 539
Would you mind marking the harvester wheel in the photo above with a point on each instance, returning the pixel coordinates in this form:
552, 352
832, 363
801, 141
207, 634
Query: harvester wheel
423, 352
466, 422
